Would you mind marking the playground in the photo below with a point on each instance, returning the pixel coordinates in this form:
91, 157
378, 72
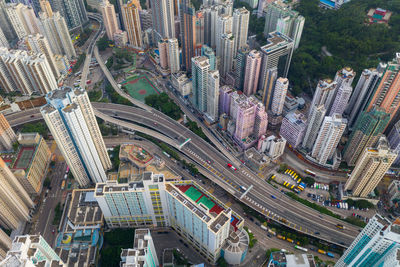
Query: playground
24, 158
139, 86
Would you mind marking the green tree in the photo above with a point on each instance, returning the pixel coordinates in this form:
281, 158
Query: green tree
103, 43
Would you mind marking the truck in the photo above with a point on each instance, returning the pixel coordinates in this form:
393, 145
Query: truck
289, 240
280, 237
329, 254
322, 251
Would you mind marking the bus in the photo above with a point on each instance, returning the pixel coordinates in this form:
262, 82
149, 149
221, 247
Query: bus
231, 166
300, 248
63, 185
310, 172
166, 154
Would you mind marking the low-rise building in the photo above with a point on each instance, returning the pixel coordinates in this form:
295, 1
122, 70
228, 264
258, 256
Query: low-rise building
143, 252
379, 15
272, 145
279, 258
120, 38
181, 83
256, 160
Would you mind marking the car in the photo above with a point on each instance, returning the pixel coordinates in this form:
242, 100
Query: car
269, 235
32, 116
317, 233
209, 162
53, 231
155, 123
251, 219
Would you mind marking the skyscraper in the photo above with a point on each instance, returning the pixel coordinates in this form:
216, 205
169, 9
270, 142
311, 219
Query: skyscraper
324, 93
213, 94
22, 19
367, 130
73, 11
252, 72
3, 40
200, 68
224, 26
341, 100
314, 121
269, 85
260, 120
240, 67
39, 44
279, 49
188, 33
376, 245
246, 113
370, 168
163, 53
173, 53
200, 31
14, 200
109, 18
70, 118
394, 141
5, 22
240, 26
362, 92
280, 92
56, 31
45, 7
163, 18
227, 45
130, 14
7, 134
5, 244
225, 99
209, 53
328, 138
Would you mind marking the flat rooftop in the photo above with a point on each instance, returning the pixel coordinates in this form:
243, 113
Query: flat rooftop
135, 154
275, 41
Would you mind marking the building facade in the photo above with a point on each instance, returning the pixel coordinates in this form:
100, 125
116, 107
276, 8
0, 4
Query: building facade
109, 18
293, 128
252, 72
130, 15
200, 69
7, 134
278, 100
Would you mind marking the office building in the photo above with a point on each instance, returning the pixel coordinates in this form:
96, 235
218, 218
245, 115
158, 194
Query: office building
14, 200
73, 11
212, 95
224, 26
394, 142
209, 53
366, 132
260, 120
240, 67
362, 93
370, 168
227, 46
342, 98
143, 252
26, 72
71, 120
55, 29
7, 134
130, 14
188, 33
225, 93
252, 72
314, 121
39, 44
109, 19
3, 40
279, 48
278, 99
31, 250
240, 26
163, 53
376, 245
163, 18
200, 69
328, 138
31, 175
22, 19
281, 18
293, 128
173, 55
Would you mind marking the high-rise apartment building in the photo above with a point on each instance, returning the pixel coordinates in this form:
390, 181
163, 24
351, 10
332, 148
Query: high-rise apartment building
269, 85
394, 142
45, 7
5, 22
314, 121
200, 31
279, 49
73, 11
71, 120
281, 18
22, 19
163, 18
163, 53
260, 120
109, 18
200, 69
26, 72
209, 53
225, 99
240, 67
252, 72
39, 44
344, 76
342, 98
246, 113
362, 93
5, 244
324, 94
14, 200
278, 100
328, 138
240, 27
212, 95
224, 26
55, 29
130, 14
3, 40
376, 245
173, 55
31, 250
188, 33
293, 128
7, 134
366, 132
370, 168
227, 46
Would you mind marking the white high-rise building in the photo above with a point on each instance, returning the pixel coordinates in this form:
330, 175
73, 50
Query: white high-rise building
3, 40
314, 121
370, 168
22, 19
26, 72
224, 26
278, 99
109, 18
324, 94
71, 120
240, 27
328, 138
56, 31
39, 44
377, 245
227, 46
200, 69
173, 53
213, 95
163, 18
342, 98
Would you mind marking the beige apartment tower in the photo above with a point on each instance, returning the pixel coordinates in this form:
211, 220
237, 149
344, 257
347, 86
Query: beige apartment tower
130, 15
109, 18
370, 167
7, 135
252, 73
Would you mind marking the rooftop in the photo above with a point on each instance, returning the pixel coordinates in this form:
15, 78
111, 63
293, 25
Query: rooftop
275, 41
136, 155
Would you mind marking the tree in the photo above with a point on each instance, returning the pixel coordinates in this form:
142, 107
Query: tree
103, 43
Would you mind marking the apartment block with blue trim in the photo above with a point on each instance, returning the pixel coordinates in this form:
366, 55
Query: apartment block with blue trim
143, 252
378, 245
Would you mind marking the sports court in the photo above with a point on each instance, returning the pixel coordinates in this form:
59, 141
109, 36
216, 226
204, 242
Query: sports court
24, 158
140, 86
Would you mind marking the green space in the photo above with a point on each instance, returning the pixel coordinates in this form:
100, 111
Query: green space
139, 87
114, 155
360, 204
163, 103
197, 130
94, 95
57, 214
346, 36
103, 43
114, 242
252, 239
115, 97
38, 127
